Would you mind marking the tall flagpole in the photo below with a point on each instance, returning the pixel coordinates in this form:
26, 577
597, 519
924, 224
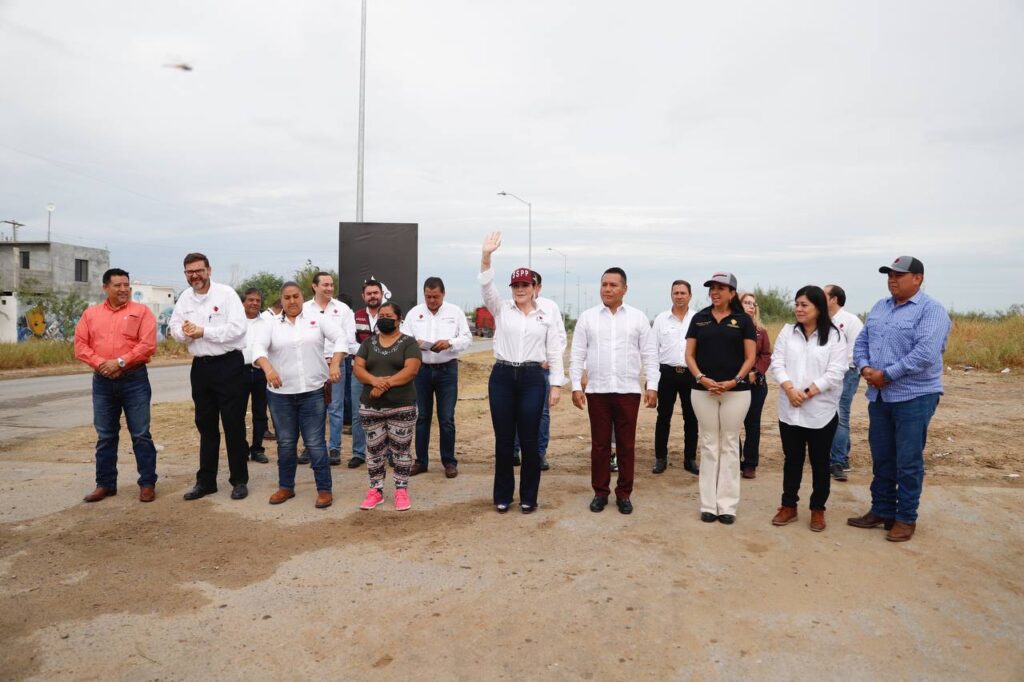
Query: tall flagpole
362, 118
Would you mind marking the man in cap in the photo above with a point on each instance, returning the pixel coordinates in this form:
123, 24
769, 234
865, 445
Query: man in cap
899, 354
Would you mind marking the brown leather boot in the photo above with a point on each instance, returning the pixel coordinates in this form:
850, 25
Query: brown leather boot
901, 532
99, 494
147, 493
869, 520
282, 495
785, 515
817, 520
324, 499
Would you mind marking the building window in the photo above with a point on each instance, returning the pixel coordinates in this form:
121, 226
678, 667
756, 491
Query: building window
81, 270
25, 260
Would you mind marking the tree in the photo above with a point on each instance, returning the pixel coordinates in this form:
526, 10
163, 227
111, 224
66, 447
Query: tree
775, 303
267, 282
304, 278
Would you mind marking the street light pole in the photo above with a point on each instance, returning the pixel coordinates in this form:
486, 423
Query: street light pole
529, 214
565, 272
362, 118
50, 208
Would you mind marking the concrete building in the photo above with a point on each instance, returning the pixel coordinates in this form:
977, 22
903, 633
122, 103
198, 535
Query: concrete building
160, 299
43, 266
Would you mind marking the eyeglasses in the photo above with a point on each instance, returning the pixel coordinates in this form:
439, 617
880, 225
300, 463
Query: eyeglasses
200, 271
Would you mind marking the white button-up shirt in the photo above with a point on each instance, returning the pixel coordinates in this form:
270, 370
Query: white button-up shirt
670, 335
802, 361
449, 323
552, 309
519, 337
296, 349
610, 348
219, 312
250, 336
342, 316
850, 326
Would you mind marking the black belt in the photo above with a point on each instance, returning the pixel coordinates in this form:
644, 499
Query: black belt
674, 368
440, 364
208, 359
506, 363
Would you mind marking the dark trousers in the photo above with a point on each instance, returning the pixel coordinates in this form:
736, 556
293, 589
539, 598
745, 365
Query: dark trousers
130, 394
797, 442
675, 383
256, 394
441, 381
606, 410
517, 396
750, 444
219, 394
897, 433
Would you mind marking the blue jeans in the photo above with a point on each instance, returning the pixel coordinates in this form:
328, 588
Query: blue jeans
517, 396
544, 434
358, 433
131, 394
841, 441
336, 413
442, 381
897, 434
296, 413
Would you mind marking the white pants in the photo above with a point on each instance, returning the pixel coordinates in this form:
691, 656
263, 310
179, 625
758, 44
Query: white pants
720, 418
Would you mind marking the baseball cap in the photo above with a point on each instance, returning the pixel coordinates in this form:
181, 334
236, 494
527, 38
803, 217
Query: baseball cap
726, 278
904, 264
522, 275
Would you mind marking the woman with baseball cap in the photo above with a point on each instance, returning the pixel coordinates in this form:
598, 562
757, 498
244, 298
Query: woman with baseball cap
525, 338
720, 352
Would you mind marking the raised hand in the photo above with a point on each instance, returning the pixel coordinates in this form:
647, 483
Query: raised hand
491, 243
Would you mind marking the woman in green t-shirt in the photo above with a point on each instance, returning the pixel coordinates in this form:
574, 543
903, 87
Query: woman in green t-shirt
386, 364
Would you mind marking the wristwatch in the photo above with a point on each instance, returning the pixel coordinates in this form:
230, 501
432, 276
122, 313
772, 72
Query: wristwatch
120, 363
740, 379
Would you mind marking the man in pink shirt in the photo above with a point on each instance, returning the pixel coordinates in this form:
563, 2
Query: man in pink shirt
117, 338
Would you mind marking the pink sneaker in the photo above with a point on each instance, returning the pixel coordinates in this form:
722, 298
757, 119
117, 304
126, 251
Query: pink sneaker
402, 502
373, 497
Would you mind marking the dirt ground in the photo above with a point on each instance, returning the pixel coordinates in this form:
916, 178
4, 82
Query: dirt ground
218, 589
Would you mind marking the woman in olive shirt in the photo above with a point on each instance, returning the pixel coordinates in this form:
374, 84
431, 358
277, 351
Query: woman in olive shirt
386, 364
720, 349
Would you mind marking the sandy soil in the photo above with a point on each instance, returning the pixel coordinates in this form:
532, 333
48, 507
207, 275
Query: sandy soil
217, 589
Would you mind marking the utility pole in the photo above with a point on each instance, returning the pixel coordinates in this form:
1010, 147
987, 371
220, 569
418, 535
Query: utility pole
14, 227
362, 118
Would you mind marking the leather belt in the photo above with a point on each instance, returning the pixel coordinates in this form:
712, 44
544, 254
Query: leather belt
506, 363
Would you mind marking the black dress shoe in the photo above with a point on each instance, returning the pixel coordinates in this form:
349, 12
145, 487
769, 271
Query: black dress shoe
598, 503
198, 491
727, 519
303, 457
239, 492
625, 506
334, 457
528, 509
708, 517
659, 466
691, 466
544, 466
259, 456
356, 462
502, 508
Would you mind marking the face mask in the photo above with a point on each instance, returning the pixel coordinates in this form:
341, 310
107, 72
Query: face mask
386, 325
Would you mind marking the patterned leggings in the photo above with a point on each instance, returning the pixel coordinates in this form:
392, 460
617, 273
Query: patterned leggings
388, 431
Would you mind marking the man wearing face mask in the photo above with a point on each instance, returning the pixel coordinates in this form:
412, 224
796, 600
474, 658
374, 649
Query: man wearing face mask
209, 317
442, 333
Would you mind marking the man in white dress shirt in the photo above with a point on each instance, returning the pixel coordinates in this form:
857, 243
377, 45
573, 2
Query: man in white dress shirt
442, 333
324, 304
255, 380
209, 317
669, 330
849, 326
609, 342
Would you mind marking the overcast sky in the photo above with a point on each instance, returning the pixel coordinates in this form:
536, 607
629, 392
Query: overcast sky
788, 142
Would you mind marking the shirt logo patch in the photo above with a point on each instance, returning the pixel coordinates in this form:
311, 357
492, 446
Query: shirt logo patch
216, 309
732, 322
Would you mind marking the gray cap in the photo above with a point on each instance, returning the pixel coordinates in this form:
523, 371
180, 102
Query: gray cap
904, 264
726, 278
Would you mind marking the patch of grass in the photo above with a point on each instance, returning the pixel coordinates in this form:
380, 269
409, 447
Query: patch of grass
38, 353
990, 343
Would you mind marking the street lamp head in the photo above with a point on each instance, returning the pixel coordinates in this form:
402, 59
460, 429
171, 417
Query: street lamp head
51, 207
502, 194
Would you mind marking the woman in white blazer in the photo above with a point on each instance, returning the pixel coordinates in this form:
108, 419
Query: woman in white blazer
809, 362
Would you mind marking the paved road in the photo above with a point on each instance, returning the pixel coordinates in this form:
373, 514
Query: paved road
31, 406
